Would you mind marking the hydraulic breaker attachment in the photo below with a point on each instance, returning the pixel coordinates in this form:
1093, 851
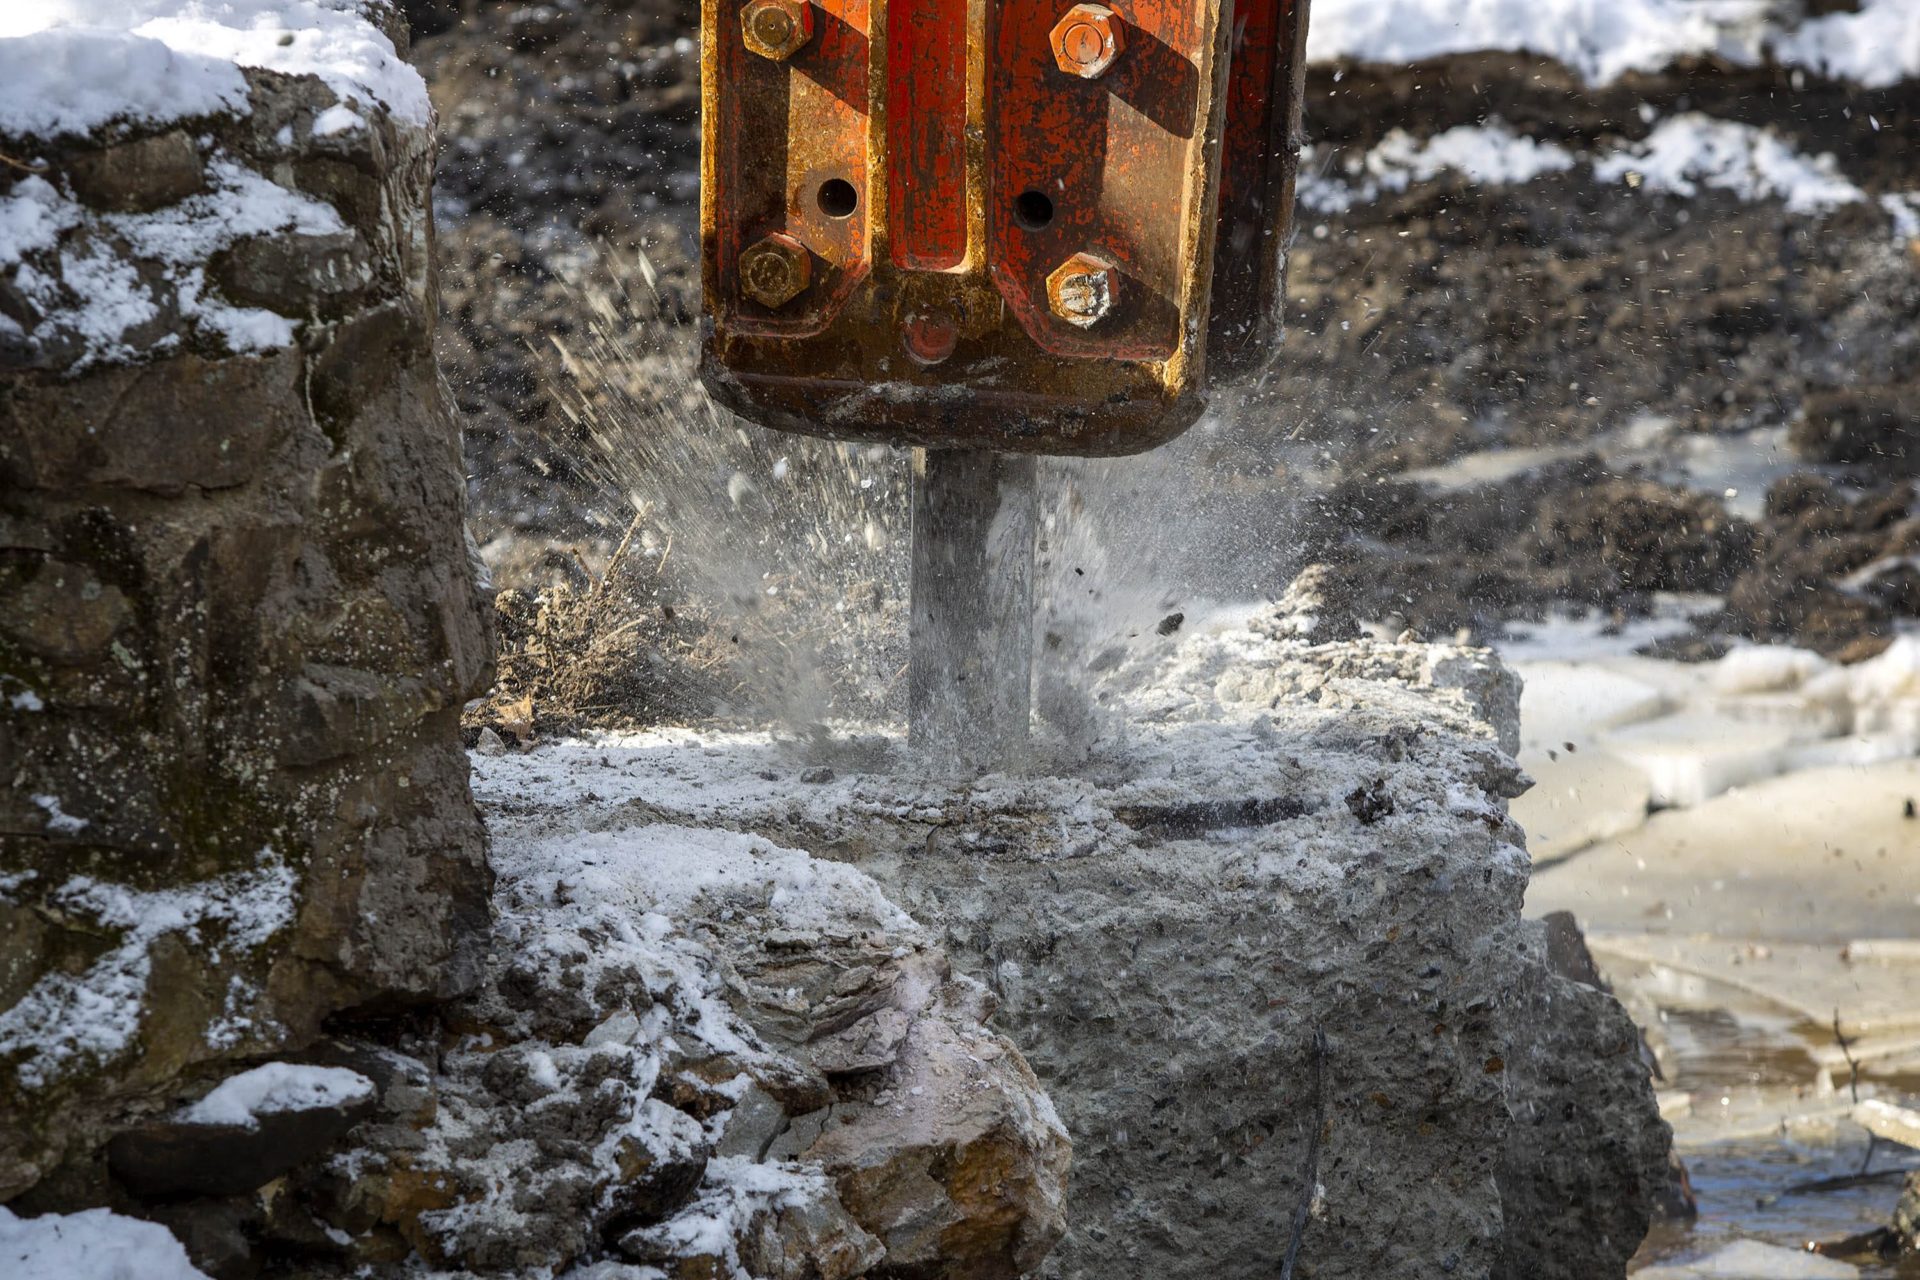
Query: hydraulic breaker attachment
1018, 225
991, 228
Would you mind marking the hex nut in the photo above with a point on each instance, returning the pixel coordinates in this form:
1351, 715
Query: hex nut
1087, 40
1082, 289
777, 29
775, 270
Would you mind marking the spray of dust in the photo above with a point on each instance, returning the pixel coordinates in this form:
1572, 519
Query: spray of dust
796, 548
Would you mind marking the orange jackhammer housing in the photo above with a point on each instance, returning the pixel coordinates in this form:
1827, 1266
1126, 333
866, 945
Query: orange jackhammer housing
1029, 226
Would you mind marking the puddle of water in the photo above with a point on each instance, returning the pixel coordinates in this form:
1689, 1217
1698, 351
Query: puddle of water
1744, 1061
1739, 1188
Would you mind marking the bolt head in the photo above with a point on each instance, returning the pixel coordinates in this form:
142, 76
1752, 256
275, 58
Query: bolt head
775, 270
777, 29
930, 337
1082, 289
1087, 40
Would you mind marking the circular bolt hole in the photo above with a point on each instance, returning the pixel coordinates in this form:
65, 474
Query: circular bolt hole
1032, 210
837, 198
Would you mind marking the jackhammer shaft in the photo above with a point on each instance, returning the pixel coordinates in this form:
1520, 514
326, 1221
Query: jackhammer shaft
970, 638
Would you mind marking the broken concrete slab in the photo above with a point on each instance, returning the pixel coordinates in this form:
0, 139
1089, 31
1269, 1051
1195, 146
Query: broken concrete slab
1299, 845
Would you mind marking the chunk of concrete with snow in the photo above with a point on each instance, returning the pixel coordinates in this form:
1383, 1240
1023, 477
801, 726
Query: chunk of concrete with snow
1295, 840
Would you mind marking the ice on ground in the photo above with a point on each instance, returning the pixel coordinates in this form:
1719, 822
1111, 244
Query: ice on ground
66, 1021
1563, 705
1822, 855
1691, 151
1752, 1260
1690, 731
1691, 758
95, 1245
277, 1086
1578, 800
71, 66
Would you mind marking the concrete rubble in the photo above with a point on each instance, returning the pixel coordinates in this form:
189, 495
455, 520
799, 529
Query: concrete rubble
1265, 954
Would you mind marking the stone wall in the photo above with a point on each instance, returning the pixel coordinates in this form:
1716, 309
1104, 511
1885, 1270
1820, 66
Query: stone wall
237, 615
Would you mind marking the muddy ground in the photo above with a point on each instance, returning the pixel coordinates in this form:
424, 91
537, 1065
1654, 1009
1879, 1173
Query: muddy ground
1433, 324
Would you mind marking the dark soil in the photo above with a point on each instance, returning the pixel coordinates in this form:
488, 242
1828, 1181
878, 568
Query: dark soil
1434, 323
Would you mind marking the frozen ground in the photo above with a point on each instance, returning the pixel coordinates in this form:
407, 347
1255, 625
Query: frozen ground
1738, 838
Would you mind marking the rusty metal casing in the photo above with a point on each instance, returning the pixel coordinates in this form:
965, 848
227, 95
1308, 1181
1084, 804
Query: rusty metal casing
1020, 225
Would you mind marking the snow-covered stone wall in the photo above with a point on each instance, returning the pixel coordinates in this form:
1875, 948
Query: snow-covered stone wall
237, 618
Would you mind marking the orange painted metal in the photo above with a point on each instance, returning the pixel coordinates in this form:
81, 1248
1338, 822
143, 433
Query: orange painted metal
1021, 231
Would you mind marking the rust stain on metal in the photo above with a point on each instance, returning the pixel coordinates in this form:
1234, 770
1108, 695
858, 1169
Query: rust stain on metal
939, 174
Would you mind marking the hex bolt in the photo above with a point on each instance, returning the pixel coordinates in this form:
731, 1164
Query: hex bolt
1082, 289
777, 29
1087, 40
775, 270
930, 337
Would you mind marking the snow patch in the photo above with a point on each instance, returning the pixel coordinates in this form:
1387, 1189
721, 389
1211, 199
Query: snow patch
71, 66
59, 822
734, 1192
1690, 151
1489, 155
277, 1086
337, 119
69, 1021
121, 274
1877, 47
1600, 39
1603, 40
95, 1245
1684, 154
